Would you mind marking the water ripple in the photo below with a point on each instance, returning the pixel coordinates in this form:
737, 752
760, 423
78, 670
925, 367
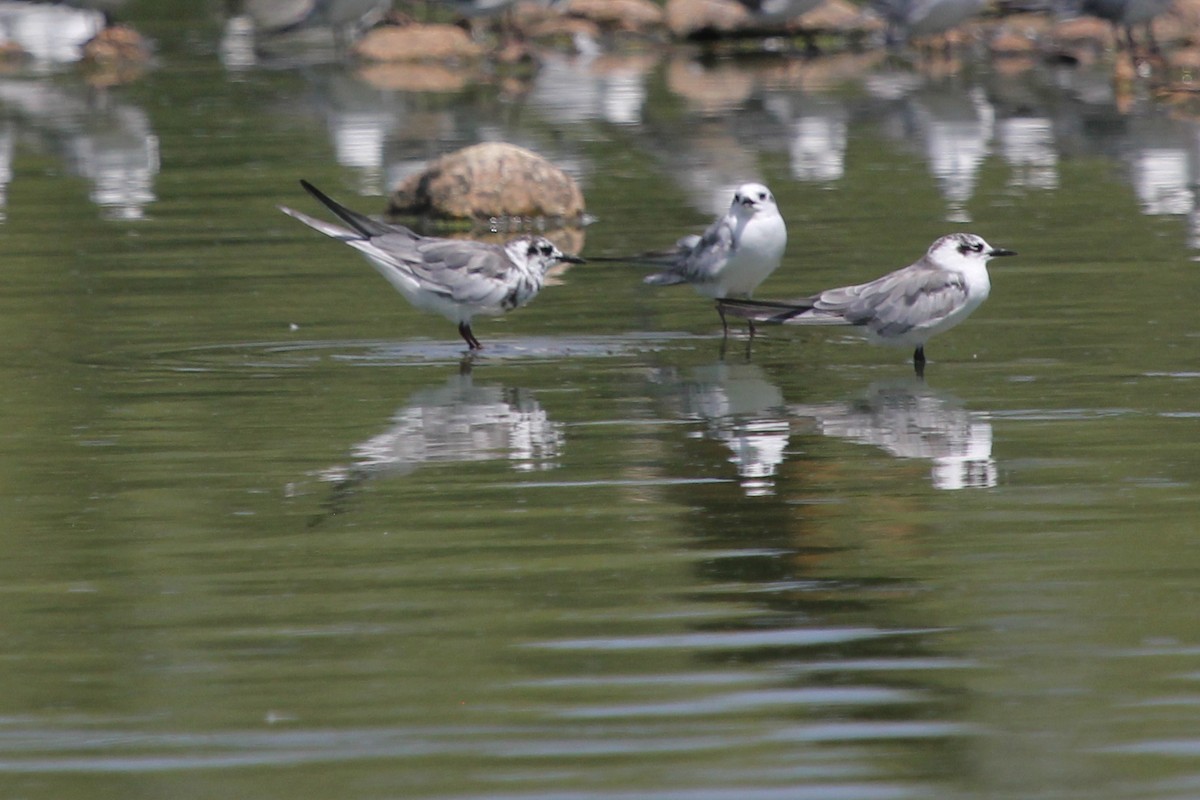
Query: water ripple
790, 637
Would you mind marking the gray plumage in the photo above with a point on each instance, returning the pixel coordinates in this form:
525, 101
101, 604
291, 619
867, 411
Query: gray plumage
734, 254
456, 278
904, 308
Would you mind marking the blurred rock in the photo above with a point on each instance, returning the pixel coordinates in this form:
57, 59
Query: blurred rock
1186, 14
557, 26
710, 90
840, 17
116, 43
688, 18
397, 76
493, 179
1083, 29
1008, 41
622, 15
1186, 59
417, 42
1173, 28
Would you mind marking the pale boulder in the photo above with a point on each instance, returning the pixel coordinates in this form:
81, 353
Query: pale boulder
492, 179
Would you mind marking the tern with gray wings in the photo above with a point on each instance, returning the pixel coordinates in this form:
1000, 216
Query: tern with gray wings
457, 278
904, 308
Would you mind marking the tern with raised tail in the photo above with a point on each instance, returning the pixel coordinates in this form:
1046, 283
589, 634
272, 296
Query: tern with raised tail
904, 308
457, 278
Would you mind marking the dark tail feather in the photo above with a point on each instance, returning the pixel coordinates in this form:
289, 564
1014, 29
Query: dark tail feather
655, 259
360, 222
774, 312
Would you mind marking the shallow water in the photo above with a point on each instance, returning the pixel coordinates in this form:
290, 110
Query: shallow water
267, 535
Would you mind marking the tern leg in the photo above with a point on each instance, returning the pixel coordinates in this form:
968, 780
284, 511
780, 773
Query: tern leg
464, 330
724, 324
919, 362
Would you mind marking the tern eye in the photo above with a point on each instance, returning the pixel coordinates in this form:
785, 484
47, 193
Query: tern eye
971, 247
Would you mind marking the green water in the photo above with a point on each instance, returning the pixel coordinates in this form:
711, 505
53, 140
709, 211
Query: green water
264, 536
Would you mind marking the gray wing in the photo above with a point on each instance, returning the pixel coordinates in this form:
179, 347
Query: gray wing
893, 305
460, 270
699, 259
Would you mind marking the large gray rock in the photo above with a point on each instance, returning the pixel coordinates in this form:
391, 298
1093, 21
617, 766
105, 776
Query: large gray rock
493, 179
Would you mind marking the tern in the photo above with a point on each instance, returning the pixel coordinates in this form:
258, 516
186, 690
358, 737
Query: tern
736, 253
904, 308
456, 278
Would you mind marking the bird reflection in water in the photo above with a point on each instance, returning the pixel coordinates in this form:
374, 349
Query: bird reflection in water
458, 421
744, 411
111, 144
909, 420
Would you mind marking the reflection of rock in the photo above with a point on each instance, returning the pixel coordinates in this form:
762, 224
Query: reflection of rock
417, 42
710, 90
459, 422
413, 77
910, 420
493, 179
743, 410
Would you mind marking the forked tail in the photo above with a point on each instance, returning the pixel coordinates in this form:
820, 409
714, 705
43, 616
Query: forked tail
360, 222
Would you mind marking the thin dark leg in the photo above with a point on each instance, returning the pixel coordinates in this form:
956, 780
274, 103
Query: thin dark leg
724, 324
919, 361
464, 330
753, 330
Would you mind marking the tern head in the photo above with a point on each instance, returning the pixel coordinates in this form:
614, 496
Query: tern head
537, 252
751, 199
963, 251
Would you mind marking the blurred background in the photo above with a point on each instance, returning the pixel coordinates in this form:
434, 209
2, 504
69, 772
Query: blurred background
267, 534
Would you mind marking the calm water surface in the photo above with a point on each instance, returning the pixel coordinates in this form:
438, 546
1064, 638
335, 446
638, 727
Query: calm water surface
265, 536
